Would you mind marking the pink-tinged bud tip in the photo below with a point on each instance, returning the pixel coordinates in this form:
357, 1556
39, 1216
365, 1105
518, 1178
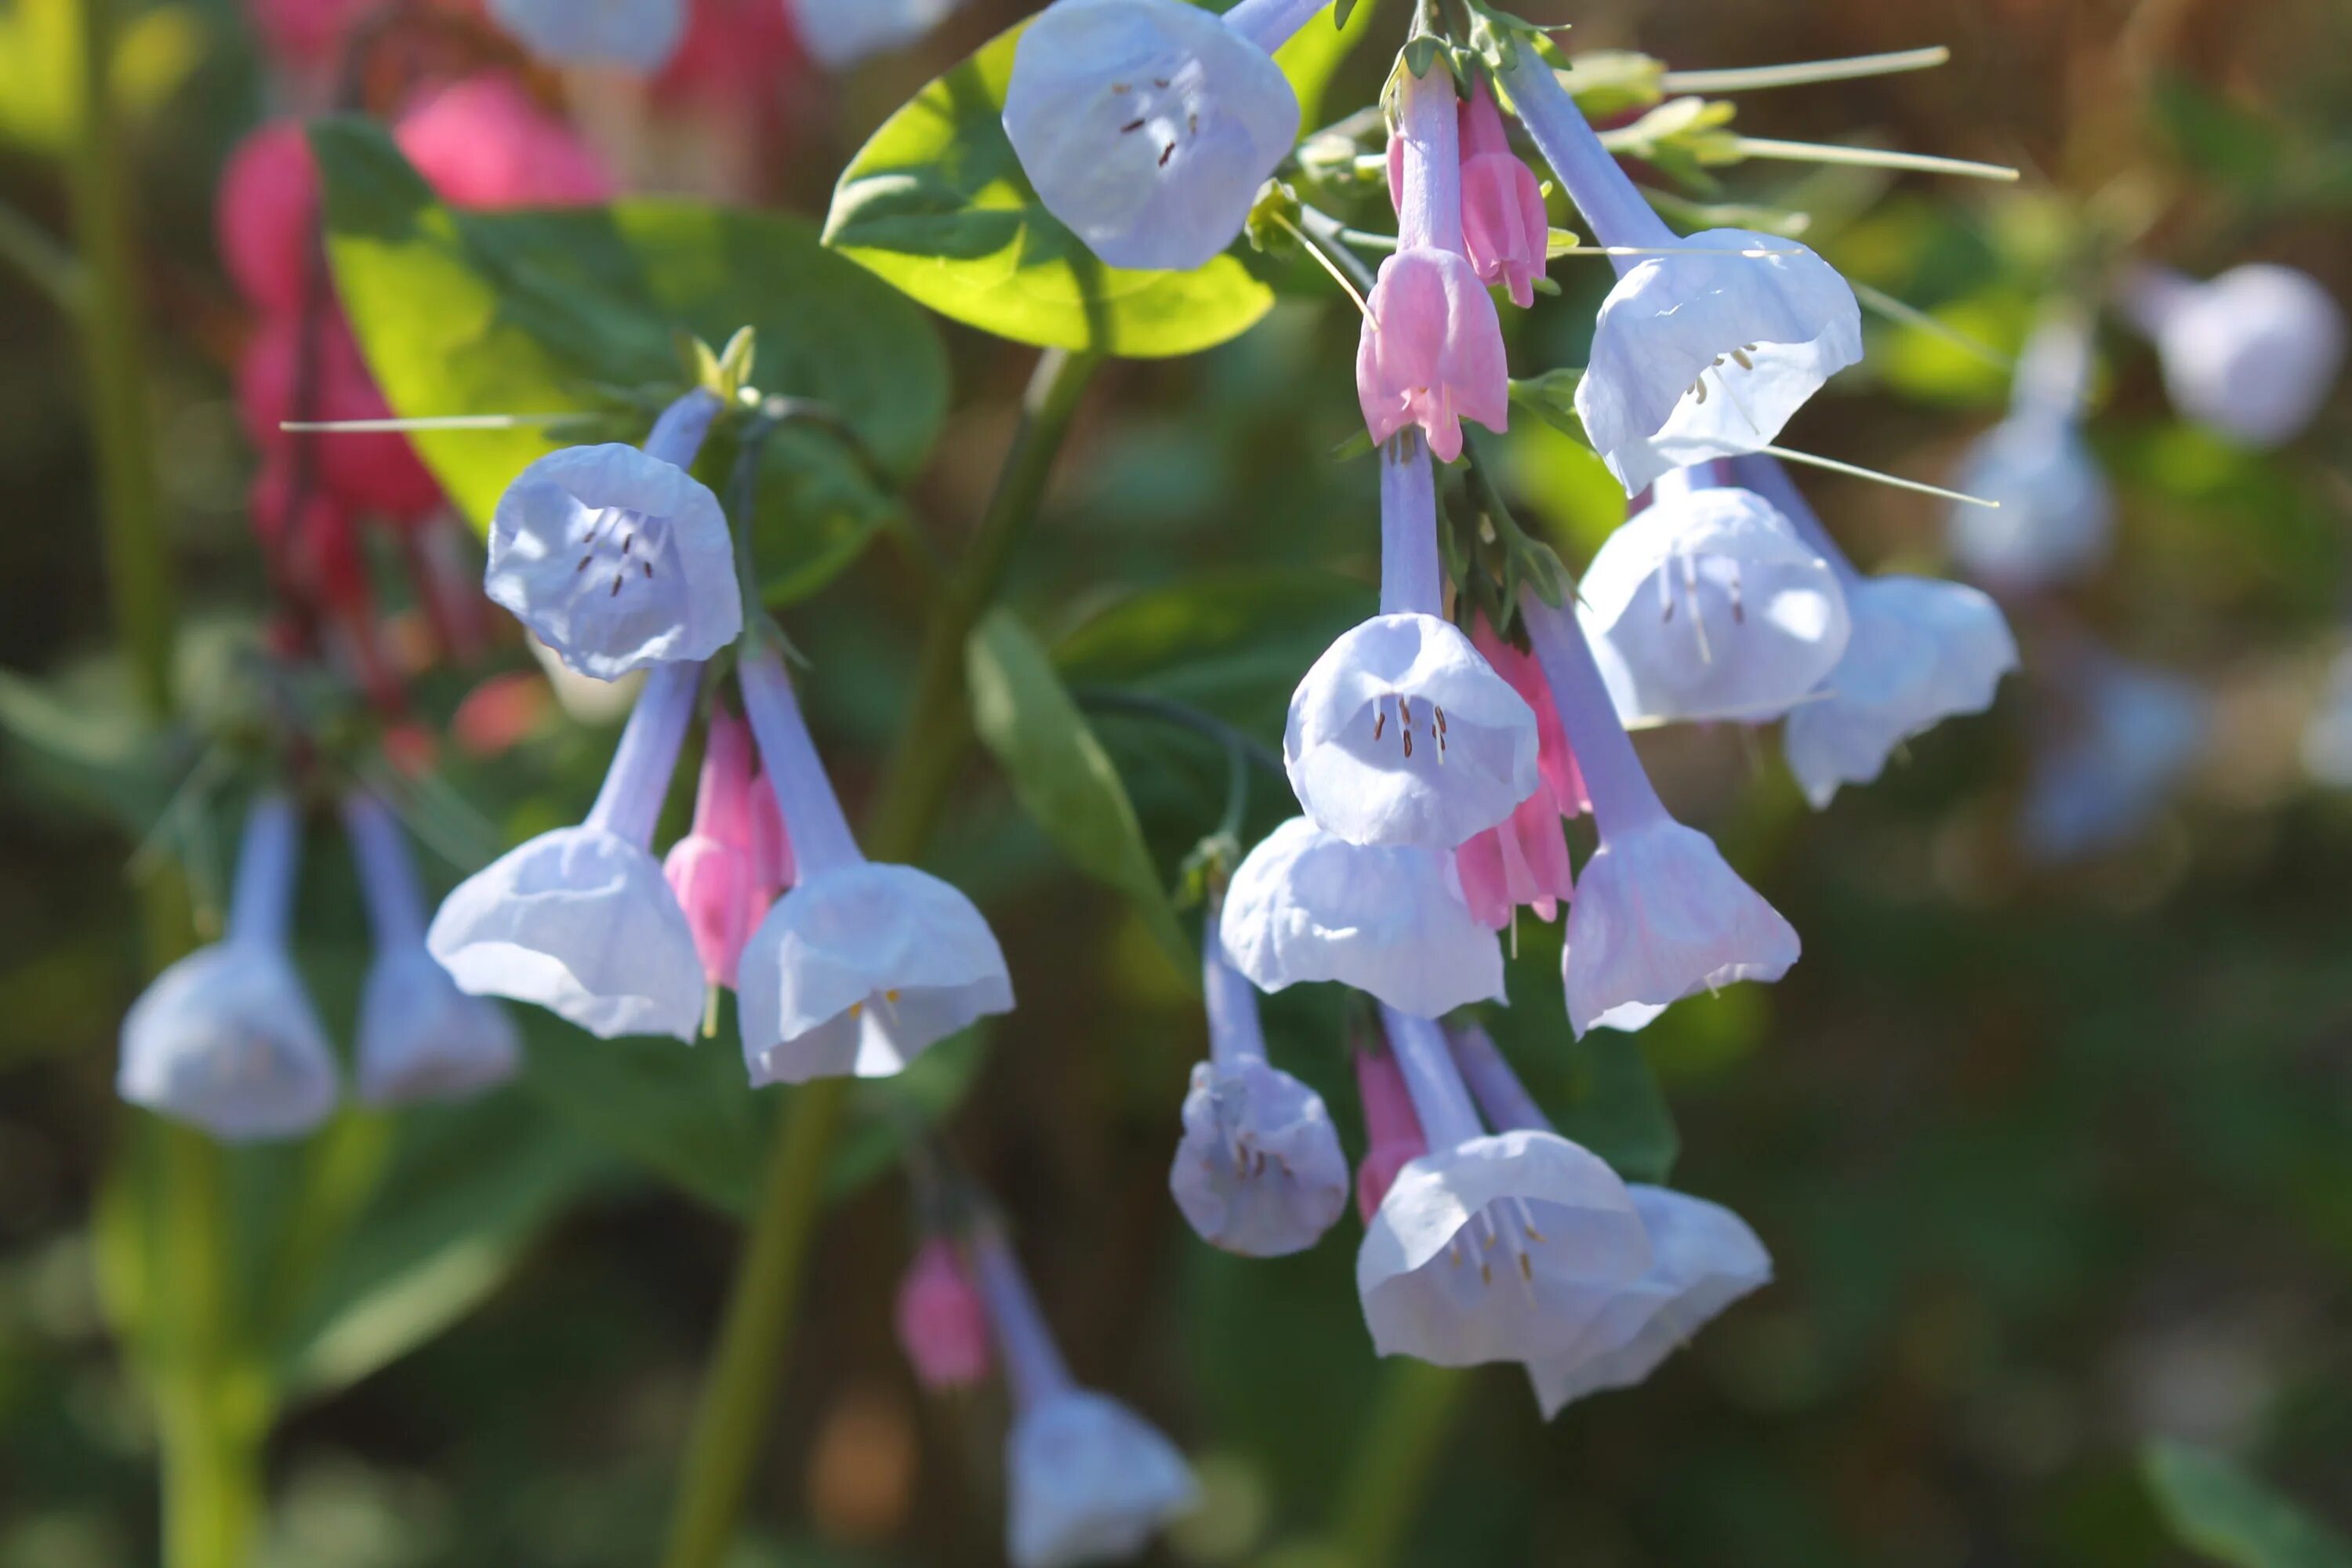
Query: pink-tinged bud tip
1431, 352
942, 1321
1390, 1126
1503, 226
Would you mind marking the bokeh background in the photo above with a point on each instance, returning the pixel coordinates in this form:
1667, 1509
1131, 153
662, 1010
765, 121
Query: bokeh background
2056, 1162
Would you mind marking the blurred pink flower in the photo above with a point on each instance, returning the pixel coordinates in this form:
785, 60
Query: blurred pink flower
485, 142
266, 218
942, 1321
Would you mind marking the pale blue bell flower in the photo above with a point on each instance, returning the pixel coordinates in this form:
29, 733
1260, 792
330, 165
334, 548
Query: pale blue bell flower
1086, 1479
1147, 126
635, 36
1709, 605
1703, 1257
2127, 736
1658, 914
581, 921
227, 1038
1921, 651
1390, 920
1501, 1247
1403, 732
838, 34
2251, 352
1258, 1171
861, 967
2056, 516
615, 556
420, 1037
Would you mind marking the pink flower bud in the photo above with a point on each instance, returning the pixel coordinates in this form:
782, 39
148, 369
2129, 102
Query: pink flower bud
715, 870
1503, 226
1432, 352
1390, 1126
483, 143
267, 217
942, 1321
1524, 859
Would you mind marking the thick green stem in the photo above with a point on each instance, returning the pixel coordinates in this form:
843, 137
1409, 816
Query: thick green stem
212, 1403
1390, 1475
739, 1387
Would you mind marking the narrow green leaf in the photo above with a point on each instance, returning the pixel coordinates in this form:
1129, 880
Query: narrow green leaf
936, 203
2216, 1508
1061, 774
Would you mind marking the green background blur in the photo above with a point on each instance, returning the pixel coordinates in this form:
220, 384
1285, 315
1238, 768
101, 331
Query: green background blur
2055, 1164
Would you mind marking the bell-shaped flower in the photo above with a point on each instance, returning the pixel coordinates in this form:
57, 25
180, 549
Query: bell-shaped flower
1523, 860
2123, 738
225, 1039
861, 966
1086, 1480
632, 34
1401, 733
1921, 651
580, 920
1430, 353
1391, 1131
942, 1321
1707, 604
1658, 915
838, 34
1501, 1247
1702, 353
1702, 1258
2251, 353
718, 870
420, 1037
1505, 229
1386, 918
615, 557
1147, 126
1258, 1171
2056, 515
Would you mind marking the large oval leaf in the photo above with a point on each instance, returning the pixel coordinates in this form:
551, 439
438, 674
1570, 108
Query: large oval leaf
936, 202
464, 312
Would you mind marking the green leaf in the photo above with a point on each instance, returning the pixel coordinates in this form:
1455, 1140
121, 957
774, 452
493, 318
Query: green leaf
1061, 774
936, 203
686, 1111
1607, 83
155, 51
2215, 1508
525, 312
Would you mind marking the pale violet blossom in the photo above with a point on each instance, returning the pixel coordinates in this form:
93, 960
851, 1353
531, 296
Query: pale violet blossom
1147, 126
419, 1038
615, 556
1658, 915
1258, 1169
1707, 604
2124, 736
861, 966
581, 921
1702, 1258
1502, 1246
1702, 353
637, 35
2056, 515
227, 1038
1086, 1479
838, 34
2253, 353
1387, 919
1921, 651
1402, 733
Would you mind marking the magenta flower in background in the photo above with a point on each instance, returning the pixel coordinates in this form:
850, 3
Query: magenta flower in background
580, 920
266, 215
861, 966
420, 1037
942, 1321
2251, 352
1430, 351
1702, 1258
1707, 604
1501, 1247
1258, 1169
1304, 905
1147, 126
618, 558
1658, 915
1704, 353
1086, 1480
227, 1038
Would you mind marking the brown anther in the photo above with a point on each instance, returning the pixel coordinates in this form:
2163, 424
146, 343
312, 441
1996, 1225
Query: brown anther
628, 543
1699, 390
1159, 82
646, 567
1167, 153
1192, 124
1380, 722
616, 587
1526, 1269
1131, 125
1485, 1272
584, 563
1741, 356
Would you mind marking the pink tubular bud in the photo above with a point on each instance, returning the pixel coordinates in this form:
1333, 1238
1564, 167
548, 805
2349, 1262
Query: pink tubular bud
266, 220
715, 870
941, 1320
1392, 1129
1503, 226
